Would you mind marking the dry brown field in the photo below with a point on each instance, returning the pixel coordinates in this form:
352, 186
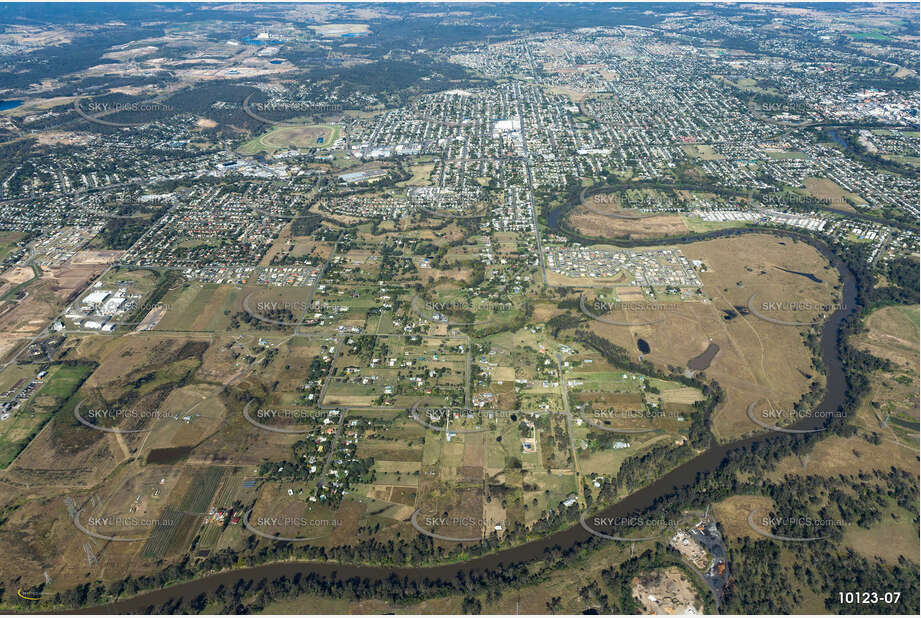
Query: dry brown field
757, 359
591, 224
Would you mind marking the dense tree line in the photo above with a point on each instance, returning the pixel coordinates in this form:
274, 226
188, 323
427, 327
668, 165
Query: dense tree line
698, 433
856, 150
824, 571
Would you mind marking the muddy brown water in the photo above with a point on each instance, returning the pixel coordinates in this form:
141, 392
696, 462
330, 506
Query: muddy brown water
169, 455
703, 360
638, 501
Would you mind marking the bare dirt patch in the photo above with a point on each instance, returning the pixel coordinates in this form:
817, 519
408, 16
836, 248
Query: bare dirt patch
892, 333
825, 189
594, 224
17, 275
666, 591
732, 513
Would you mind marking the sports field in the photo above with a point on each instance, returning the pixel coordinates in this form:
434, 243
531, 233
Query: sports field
286, 137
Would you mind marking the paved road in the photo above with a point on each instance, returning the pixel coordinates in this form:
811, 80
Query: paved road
313, 289
468, 378
572, 437
527, 166
333, 444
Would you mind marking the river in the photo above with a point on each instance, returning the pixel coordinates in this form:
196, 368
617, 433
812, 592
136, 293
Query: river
531, 551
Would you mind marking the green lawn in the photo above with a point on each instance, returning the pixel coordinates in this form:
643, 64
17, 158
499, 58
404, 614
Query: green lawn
696, 224
17, 431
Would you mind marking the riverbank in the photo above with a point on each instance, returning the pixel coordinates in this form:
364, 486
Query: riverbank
571, 538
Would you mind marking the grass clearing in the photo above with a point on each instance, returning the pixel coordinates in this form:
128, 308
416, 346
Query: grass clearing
318, 136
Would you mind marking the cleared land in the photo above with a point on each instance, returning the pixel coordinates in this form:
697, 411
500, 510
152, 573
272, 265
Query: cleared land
591, 223
757, 359
286, 137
